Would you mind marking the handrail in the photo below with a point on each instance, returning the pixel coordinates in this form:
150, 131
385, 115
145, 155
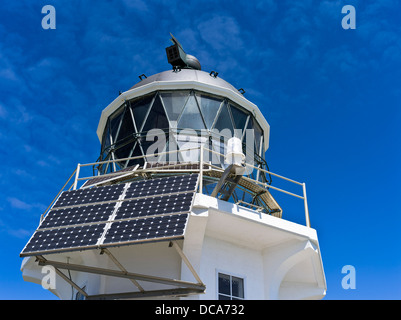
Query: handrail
201, 162
137, 157
274, 174
61, 190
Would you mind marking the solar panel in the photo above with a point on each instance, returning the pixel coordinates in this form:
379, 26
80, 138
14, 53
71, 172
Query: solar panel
162, 186
92, 195
64, 238
114, 215
155, 206
146, 229
77, 215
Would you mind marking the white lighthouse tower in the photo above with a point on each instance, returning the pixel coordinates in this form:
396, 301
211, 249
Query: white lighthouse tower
179, 204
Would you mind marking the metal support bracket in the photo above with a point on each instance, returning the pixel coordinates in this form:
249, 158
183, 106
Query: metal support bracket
225, 178
120, 266
42, 261
186, 261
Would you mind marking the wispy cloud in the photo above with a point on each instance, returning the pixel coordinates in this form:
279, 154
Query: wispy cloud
19, 233
19, 204
221, 33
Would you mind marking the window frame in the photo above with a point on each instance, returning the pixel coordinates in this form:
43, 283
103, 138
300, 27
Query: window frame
231, 275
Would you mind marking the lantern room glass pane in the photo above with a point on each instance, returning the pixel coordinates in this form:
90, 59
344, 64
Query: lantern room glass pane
127, 125
106, 136
258, 134
115, 124
249, 139
209, 107
140, 109
157, 117
224, 120
124, 151
239, 117
174, 103
135, 153
191, 117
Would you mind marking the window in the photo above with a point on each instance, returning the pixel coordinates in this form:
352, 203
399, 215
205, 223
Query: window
230, 287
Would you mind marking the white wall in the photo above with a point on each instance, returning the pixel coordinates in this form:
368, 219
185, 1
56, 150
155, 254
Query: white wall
221, 256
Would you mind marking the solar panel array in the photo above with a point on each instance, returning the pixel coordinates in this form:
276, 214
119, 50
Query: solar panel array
147, 210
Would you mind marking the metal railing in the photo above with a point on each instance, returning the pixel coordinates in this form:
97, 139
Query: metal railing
200, 170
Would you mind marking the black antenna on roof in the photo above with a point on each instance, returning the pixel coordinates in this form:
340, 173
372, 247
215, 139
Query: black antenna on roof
177, 57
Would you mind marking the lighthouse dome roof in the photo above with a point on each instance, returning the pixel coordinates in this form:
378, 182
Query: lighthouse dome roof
188, 75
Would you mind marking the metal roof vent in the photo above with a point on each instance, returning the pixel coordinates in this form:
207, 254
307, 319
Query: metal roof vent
177, 57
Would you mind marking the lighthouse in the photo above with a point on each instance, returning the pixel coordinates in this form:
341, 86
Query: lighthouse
180, 203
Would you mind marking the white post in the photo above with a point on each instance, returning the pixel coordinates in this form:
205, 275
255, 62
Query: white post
76, 176
306, 206
201, 169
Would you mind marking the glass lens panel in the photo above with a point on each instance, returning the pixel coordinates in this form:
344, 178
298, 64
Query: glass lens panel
188, 139
157, 117
139, 109
191, 117
209, 107
237, 287
249, 139
224, 121
124, 151
239, 117
106, 137
127, 125
222, 297
114, 125
135, 153
258, 134
224, 283
174, 103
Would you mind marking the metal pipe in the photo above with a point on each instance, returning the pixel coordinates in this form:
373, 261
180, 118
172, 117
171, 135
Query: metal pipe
287, 192
306, 206
274, 174
120, 274
76, 176
201, 169
120, 266
137, 157
59, 192
146, 294
41, 260
186, 261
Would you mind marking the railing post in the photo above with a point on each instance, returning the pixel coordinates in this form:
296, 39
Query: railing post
76, 176
201, 169
306, 206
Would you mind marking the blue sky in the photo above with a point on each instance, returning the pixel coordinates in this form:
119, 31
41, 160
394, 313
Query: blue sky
331, 96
